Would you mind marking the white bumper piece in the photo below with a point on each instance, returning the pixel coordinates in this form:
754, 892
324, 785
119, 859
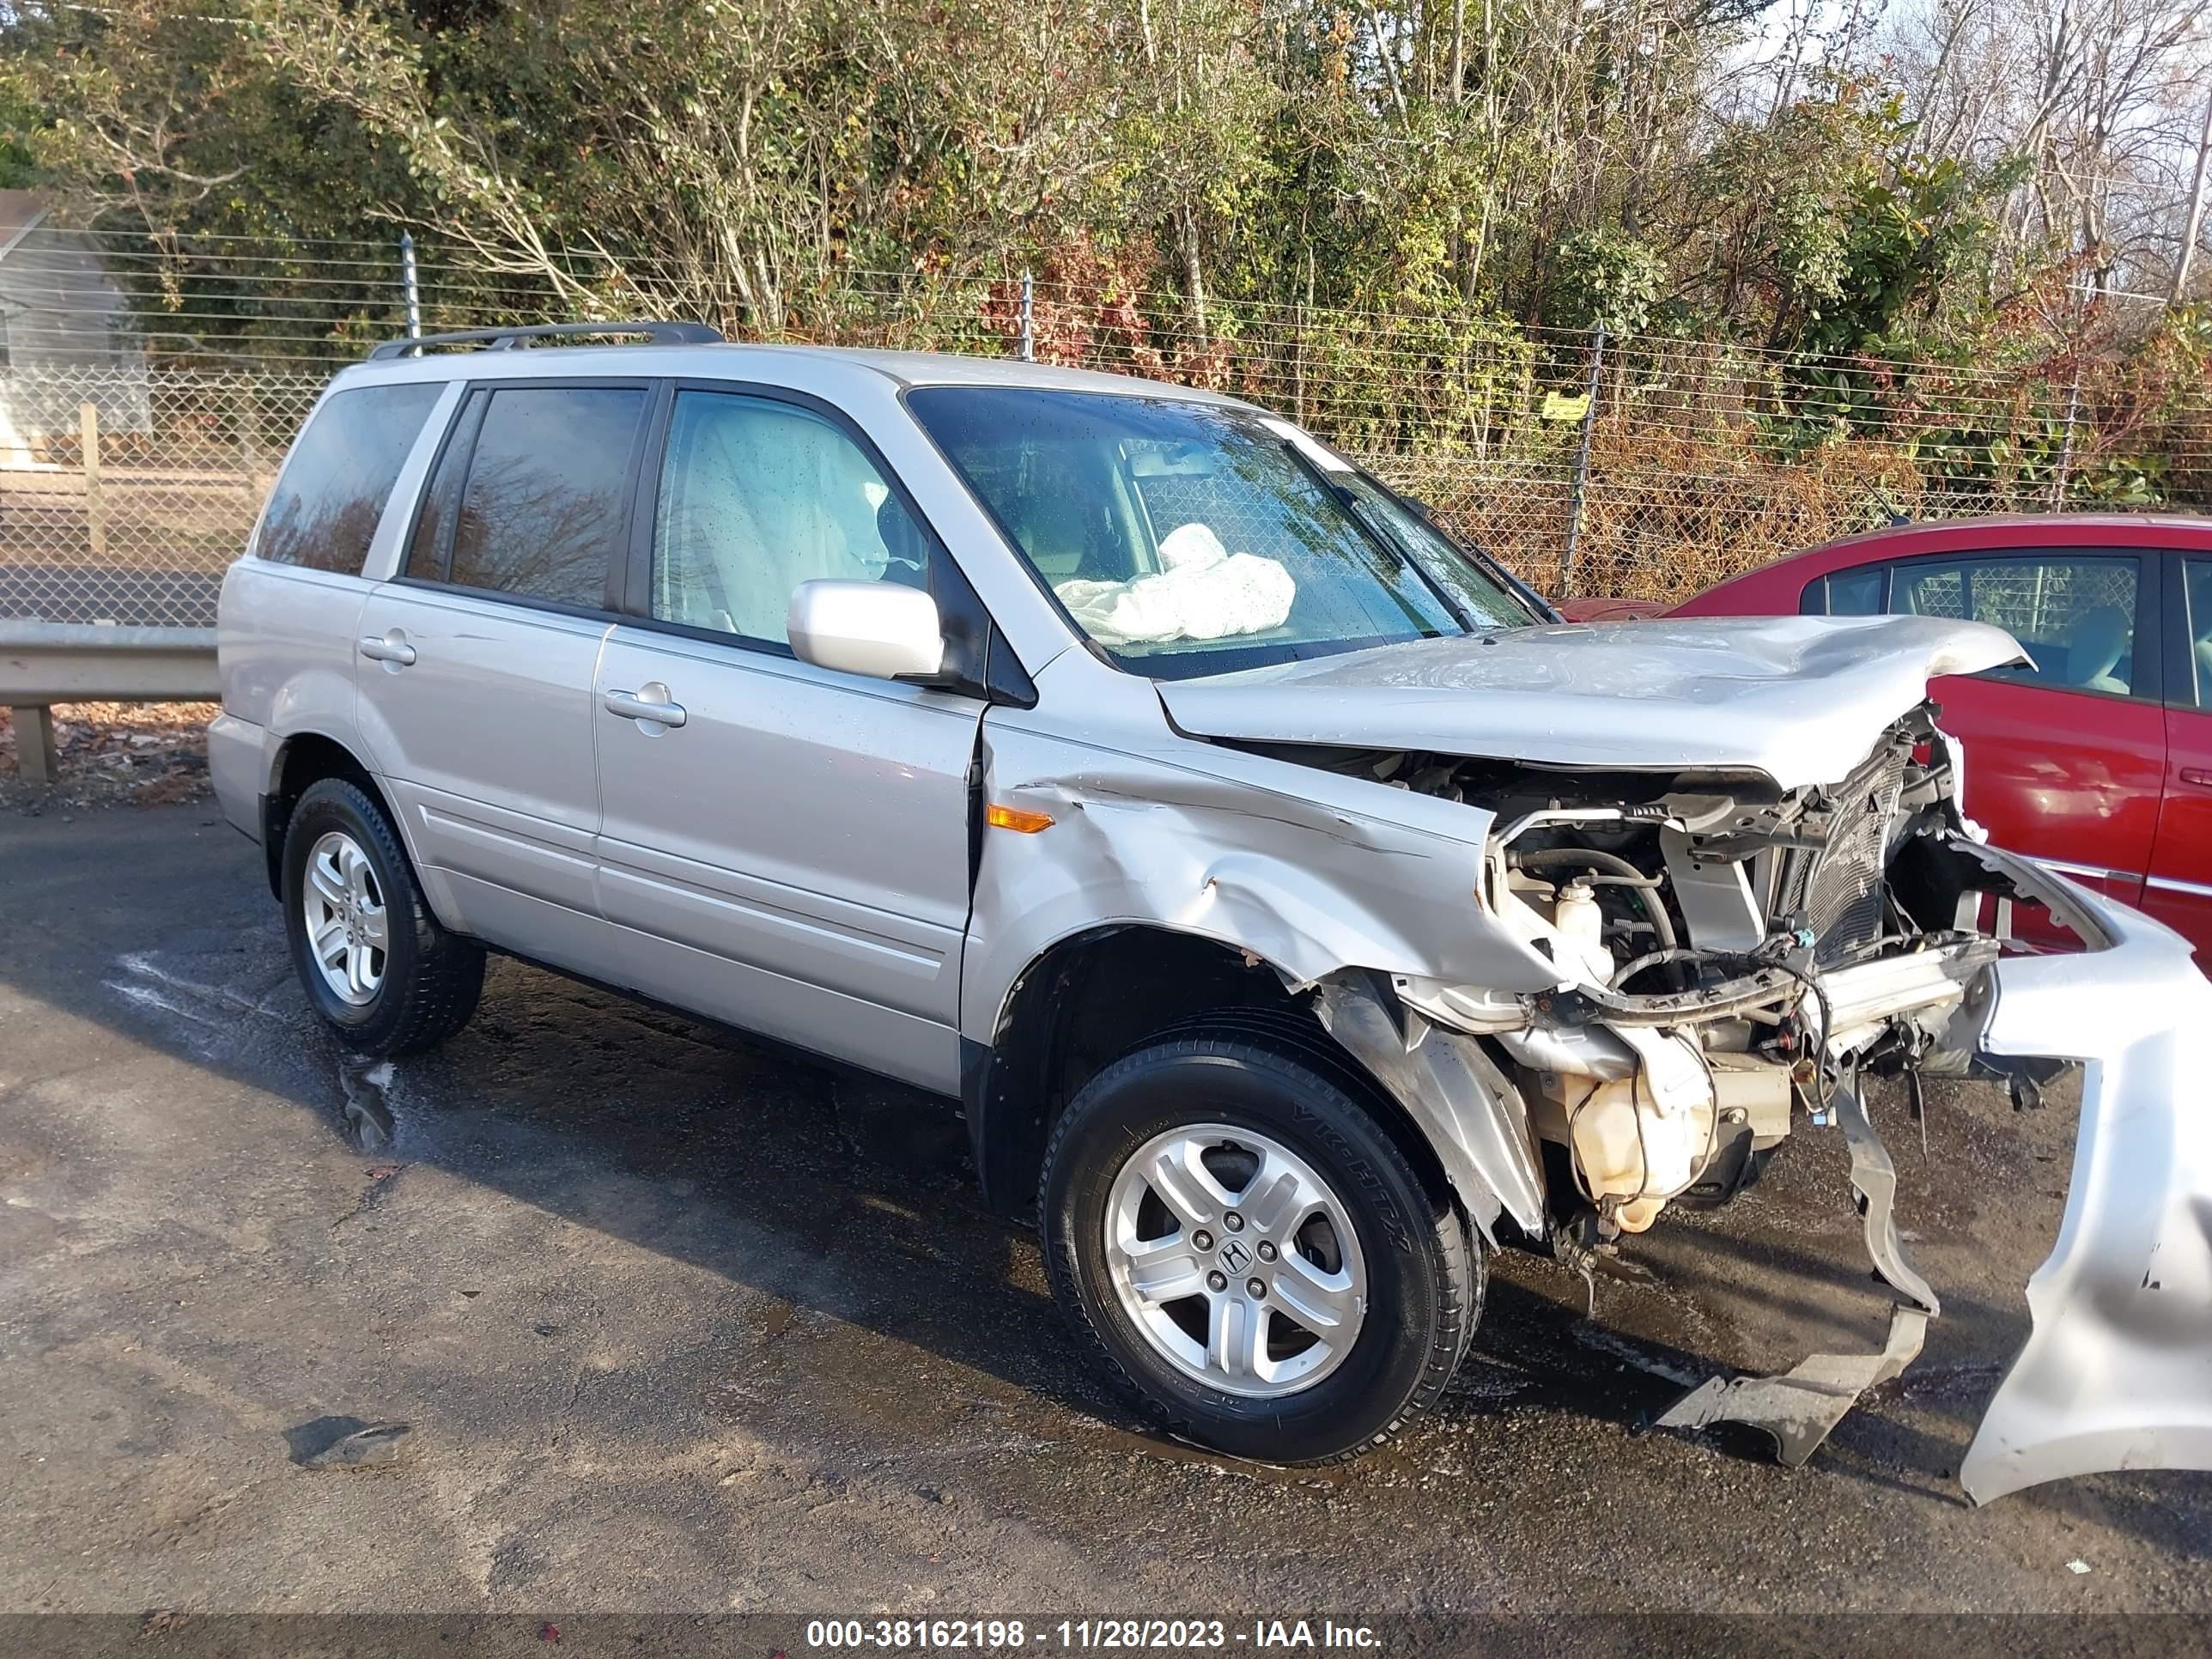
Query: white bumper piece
2117, 1371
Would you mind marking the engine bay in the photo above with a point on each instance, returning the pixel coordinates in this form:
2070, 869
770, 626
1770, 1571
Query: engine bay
1732, 956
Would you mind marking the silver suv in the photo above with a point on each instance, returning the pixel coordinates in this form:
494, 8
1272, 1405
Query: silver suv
1298, 910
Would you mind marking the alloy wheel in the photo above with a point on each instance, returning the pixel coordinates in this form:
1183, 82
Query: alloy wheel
1236, 1261
348, 931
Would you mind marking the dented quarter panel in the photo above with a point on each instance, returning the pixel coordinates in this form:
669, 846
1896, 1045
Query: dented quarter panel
2117, 1371
1800, 699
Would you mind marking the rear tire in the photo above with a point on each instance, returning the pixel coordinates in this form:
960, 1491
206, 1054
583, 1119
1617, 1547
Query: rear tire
385, 975
1352, 1320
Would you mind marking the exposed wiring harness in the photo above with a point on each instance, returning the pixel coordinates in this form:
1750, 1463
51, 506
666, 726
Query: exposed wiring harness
1767, 956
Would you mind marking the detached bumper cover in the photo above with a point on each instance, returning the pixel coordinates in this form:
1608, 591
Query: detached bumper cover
2116, 1372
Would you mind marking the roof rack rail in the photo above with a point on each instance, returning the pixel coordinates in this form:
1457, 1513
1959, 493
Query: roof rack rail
504, 339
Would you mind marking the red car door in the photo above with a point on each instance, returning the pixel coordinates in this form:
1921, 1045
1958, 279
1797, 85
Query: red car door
2179, 891
2074, 780
2065, 762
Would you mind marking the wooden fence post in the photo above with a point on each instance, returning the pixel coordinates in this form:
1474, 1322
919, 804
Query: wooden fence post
36, 758
249, 449
95, 510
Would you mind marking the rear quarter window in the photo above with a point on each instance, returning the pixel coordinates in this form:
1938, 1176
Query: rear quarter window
1859, 592
326, 504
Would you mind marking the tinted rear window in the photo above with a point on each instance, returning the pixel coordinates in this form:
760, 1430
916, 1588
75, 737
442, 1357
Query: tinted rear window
433, 524
542, 510
325, 508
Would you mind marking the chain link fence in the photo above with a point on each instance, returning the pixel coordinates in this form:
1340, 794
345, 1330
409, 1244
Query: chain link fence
125, 493
1644, 467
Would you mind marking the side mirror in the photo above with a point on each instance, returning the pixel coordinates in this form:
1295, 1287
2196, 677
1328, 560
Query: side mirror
882, 629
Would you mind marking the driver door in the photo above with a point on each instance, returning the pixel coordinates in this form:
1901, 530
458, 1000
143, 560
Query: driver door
787, 847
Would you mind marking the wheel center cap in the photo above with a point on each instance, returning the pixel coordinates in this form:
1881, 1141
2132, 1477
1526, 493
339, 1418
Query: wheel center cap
1235, 1256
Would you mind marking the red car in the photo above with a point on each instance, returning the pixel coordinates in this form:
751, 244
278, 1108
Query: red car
2098, 760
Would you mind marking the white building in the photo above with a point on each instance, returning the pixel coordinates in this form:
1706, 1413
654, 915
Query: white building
65, 334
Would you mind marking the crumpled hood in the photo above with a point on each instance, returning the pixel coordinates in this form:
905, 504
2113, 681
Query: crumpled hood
1802, 699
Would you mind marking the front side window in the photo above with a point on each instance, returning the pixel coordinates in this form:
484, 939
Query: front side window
2075, 614
757, 496
541, 514
325, 508
2197, 588
1187, 539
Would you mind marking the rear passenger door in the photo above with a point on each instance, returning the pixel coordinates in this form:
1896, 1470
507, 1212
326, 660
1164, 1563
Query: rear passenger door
788, 850
474, 666
2180, 891
2066, 760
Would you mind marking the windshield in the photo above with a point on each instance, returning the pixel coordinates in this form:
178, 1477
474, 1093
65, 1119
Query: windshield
1187, 539
1483, 592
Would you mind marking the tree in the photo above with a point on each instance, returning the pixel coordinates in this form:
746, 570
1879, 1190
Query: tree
1864, 180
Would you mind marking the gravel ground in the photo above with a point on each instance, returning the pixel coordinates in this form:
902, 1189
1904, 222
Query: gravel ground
679, 1324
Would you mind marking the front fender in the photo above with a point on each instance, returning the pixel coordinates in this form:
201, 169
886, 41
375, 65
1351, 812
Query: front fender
1290, 866
1287, 863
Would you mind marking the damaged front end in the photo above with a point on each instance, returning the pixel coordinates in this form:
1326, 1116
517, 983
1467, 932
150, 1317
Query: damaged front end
1732, 960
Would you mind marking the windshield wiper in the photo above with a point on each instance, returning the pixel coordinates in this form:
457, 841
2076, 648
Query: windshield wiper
1539, 608
1385, 539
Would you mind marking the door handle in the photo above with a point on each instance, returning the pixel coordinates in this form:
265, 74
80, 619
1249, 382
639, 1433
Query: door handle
649, 702
2197, 775
392, 647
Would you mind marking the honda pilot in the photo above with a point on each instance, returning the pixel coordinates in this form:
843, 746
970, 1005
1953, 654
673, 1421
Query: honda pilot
1298, 911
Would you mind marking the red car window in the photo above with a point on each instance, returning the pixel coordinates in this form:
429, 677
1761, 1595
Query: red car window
1862, 591
2196, 584
2074, 612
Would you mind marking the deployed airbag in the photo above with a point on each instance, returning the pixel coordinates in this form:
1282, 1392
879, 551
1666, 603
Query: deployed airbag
1201, 592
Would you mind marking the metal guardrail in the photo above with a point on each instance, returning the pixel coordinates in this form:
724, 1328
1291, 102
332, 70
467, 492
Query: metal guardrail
42, 663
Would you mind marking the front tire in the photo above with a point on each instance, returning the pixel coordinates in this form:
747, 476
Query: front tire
1230, 1226
386, 977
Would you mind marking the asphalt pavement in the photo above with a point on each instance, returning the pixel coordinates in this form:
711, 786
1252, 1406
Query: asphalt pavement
679, 1323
